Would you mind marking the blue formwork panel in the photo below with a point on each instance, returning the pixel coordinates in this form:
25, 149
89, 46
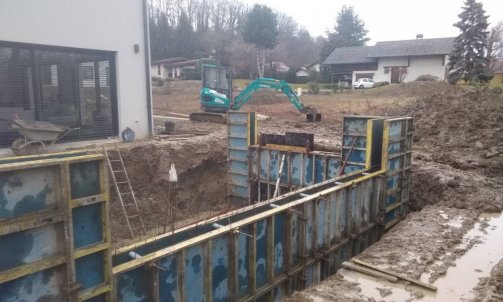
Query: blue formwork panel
28, 246
27, 191
87, 225
321, 222
261, 253
243, 243
294, 240
398, 136
84, 179
194, 273
279, 243
168, 279
90, 270
132, 286
51, 207
241, 133
40, 286
309, 239
220, 269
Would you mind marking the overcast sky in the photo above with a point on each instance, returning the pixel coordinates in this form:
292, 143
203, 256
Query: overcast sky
386, 20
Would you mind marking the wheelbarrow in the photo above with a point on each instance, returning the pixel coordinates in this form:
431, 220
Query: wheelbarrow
36, 134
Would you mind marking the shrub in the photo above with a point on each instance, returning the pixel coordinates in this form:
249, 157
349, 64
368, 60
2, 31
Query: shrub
427, 78
314, 87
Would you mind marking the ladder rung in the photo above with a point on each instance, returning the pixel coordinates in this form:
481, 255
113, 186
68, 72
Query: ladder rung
133, 216
129, 204
124, 193
117, 171
114, 160
121, 182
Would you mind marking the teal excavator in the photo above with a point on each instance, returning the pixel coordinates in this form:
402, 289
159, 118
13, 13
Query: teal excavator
216, 95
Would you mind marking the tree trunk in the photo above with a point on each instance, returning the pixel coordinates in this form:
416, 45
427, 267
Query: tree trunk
259, 68
263, 62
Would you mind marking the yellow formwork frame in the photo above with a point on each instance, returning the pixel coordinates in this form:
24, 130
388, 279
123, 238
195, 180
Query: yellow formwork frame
64, 216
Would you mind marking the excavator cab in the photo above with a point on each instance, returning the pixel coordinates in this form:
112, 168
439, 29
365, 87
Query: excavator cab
216, 90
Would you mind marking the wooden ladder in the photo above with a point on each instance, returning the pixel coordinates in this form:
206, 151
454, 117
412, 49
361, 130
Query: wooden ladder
124, 191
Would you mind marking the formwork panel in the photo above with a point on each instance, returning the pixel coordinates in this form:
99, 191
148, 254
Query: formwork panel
90, 270
32, 245
84, 179
168, 279
87, 225
243, 243
48, 233
220, 269
28, 190
279, 243
132, 286
194, 273
40, 286
261, 254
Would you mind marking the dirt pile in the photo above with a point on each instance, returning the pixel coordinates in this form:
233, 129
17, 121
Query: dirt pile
458, 144
463, 129
201, 186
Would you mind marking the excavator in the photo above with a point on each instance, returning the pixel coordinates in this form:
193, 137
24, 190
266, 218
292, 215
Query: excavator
216, 95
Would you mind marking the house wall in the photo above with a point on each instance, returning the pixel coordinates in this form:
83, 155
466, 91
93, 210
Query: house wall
112, 25
416, 66
302, 73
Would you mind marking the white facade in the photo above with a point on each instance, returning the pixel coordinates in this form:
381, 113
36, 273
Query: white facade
111, 25
302, 73
415, 66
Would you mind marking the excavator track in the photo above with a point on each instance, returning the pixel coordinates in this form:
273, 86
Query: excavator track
208, 117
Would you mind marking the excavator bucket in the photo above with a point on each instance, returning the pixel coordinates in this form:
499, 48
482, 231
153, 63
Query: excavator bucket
313, 117
208, 117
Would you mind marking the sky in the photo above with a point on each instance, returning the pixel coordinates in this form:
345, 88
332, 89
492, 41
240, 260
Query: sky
386, 20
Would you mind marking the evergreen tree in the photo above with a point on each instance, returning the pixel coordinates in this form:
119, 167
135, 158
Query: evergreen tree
469, 59
349, 30
261, 29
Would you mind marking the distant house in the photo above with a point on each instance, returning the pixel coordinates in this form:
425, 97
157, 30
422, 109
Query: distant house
302, 74
392, 61
314, 67
178, 68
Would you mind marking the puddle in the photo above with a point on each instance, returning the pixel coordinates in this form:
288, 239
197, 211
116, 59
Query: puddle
458, 283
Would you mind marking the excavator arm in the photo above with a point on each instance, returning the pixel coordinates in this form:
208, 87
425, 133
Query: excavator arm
280, 85
260, 83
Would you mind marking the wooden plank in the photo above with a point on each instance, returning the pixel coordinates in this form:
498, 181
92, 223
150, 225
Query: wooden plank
368, 271
30, 221
400, 276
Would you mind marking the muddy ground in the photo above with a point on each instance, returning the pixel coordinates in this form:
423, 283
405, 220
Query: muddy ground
457, 175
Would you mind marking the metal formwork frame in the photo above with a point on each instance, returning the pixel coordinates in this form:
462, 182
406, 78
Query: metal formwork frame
59, 218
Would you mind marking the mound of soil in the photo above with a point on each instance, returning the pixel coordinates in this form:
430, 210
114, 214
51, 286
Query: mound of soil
463, 130
458, 141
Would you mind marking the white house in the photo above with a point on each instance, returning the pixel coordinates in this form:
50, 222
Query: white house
166, 68
392, 61
83, 64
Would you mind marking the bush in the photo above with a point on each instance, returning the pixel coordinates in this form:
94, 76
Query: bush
314, 87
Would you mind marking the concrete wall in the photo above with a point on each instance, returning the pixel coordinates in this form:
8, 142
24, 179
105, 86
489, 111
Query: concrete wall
416, 66
111, 25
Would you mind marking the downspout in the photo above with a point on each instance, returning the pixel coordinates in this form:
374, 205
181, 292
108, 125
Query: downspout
146, 40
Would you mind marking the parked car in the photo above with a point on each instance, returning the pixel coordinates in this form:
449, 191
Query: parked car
363, 83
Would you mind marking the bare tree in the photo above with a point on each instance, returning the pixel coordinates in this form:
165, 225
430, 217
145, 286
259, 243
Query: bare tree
495, 45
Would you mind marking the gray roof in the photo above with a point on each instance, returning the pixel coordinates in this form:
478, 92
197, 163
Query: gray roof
348, 55
418, 47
